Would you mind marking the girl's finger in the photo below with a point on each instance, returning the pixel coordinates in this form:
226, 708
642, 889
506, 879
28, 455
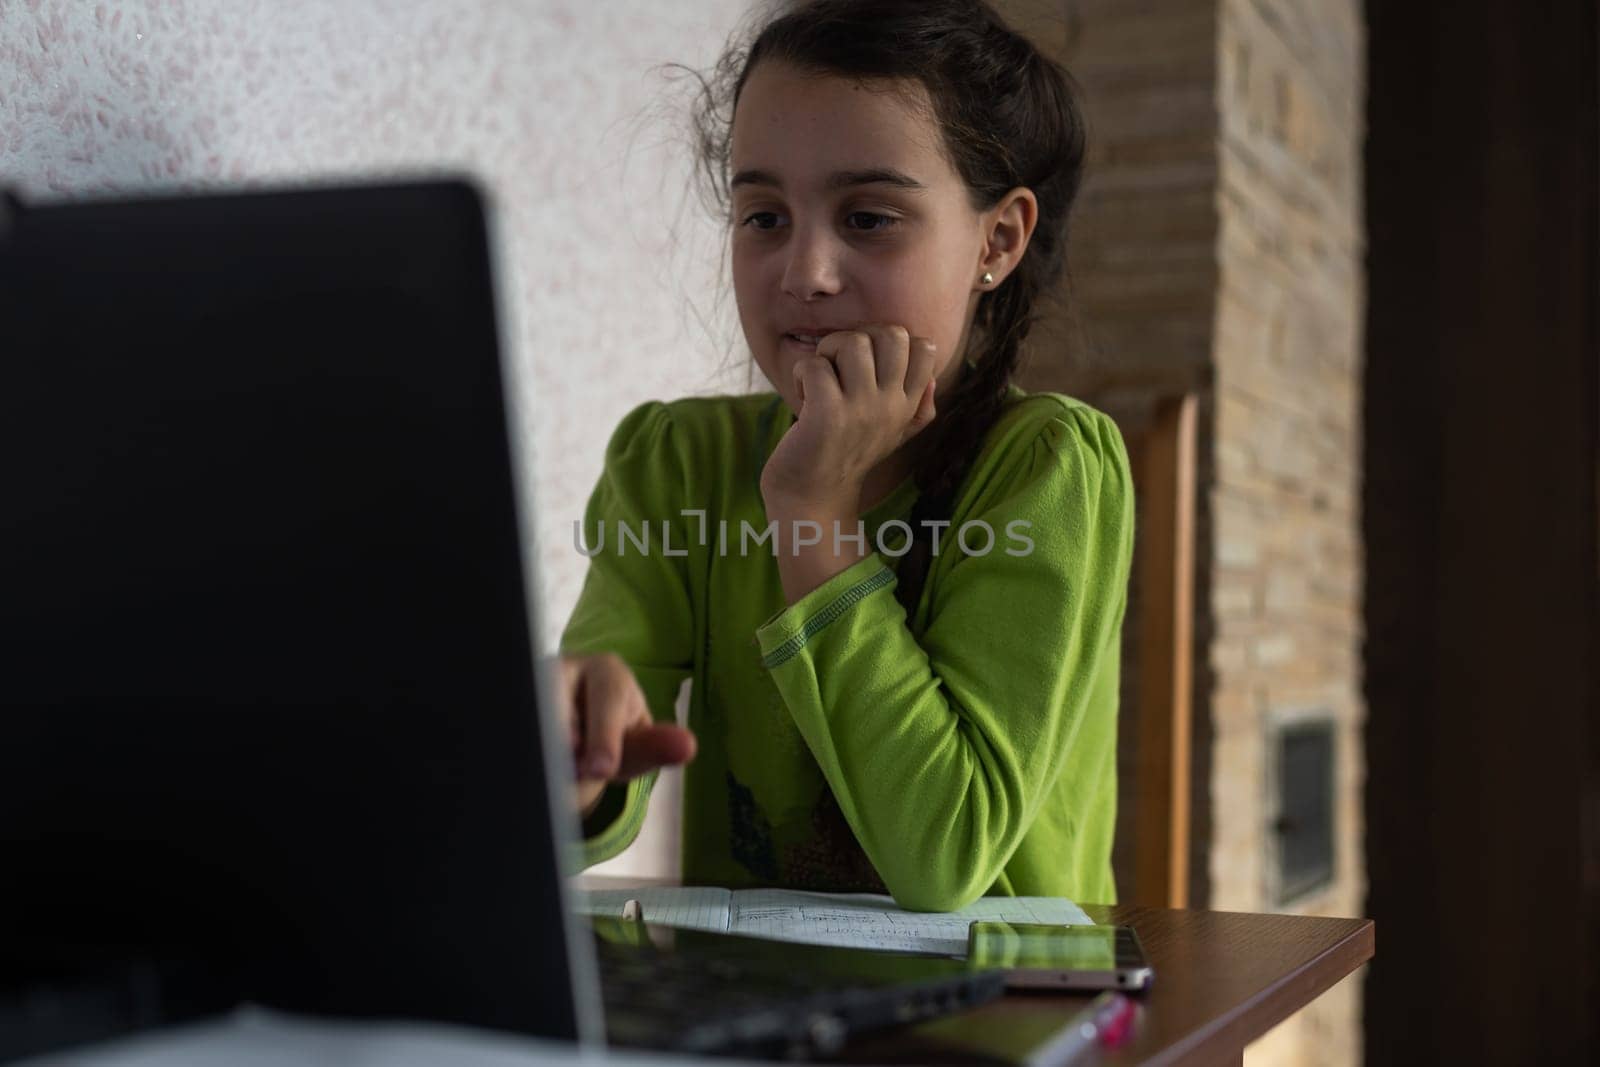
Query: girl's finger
925, 411
920, 362
568, 681
610, 705
850, 351
816, 383
891, 353
652, 745
857, 369
602, 753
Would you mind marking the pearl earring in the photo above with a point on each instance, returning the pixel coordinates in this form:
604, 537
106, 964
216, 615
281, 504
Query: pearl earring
988, 279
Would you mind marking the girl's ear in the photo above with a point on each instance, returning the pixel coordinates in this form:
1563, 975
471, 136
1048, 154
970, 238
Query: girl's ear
1009, 226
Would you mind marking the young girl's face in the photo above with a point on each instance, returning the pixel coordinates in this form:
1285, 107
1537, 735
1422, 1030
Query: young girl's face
846, 211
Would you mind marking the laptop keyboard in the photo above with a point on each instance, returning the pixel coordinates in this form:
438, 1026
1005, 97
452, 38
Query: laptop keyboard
714, 998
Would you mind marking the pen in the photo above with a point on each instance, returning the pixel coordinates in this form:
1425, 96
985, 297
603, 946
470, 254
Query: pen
1105, 1021
633, 925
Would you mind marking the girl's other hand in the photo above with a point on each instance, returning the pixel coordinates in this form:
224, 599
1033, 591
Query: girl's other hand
609, 728
862, 395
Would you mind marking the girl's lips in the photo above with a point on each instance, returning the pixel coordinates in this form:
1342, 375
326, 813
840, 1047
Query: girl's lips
807, 344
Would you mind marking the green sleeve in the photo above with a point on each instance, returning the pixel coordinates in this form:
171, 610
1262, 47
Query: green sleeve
940, 751
635, 603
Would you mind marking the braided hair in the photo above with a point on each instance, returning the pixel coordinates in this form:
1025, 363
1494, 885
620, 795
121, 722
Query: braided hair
1009, 118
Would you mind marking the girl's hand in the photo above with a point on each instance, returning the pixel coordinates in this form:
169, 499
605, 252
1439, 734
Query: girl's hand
863, 394
608, 724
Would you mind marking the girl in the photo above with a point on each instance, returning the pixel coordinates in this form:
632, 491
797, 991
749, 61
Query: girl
898, 581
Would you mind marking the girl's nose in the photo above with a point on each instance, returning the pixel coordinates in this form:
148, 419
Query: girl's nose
813, 267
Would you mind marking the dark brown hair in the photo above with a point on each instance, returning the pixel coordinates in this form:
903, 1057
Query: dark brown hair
1009, 118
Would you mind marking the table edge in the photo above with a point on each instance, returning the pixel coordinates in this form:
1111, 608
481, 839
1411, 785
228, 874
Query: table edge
1253, 1018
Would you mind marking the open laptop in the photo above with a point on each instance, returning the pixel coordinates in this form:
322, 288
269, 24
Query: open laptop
269, 703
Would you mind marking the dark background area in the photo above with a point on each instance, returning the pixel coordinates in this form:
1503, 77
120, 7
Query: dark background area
1480, 531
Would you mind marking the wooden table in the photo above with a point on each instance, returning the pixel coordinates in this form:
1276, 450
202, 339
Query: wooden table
1222, 979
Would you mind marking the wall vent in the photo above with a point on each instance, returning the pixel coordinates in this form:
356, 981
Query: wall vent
1303, 828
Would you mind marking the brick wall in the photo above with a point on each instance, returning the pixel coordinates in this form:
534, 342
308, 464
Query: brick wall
1218, 247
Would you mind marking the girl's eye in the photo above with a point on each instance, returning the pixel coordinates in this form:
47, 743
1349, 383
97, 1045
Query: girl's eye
868, 221
885, 221
759, 215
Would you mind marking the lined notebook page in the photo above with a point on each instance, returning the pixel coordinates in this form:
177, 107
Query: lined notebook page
694, 907
870, 920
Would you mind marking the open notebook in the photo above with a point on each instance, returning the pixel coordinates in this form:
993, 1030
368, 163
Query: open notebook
855, 920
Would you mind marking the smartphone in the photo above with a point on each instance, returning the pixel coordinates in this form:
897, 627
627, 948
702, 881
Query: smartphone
1048, 956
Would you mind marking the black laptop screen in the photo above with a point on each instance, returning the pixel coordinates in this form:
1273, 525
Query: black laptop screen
267, 686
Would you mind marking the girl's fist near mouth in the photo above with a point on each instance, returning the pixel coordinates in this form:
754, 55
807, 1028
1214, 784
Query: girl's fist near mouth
859, 397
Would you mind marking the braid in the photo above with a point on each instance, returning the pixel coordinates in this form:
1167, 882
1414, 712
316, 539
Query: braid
974, 407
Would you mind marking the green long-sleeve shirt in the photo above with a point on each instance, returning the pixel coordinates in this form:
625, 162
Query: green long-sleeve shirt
969, 750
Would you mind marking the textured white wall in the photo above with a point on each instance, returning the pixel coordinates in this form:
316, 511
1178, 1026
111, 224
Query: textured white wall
614, 272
